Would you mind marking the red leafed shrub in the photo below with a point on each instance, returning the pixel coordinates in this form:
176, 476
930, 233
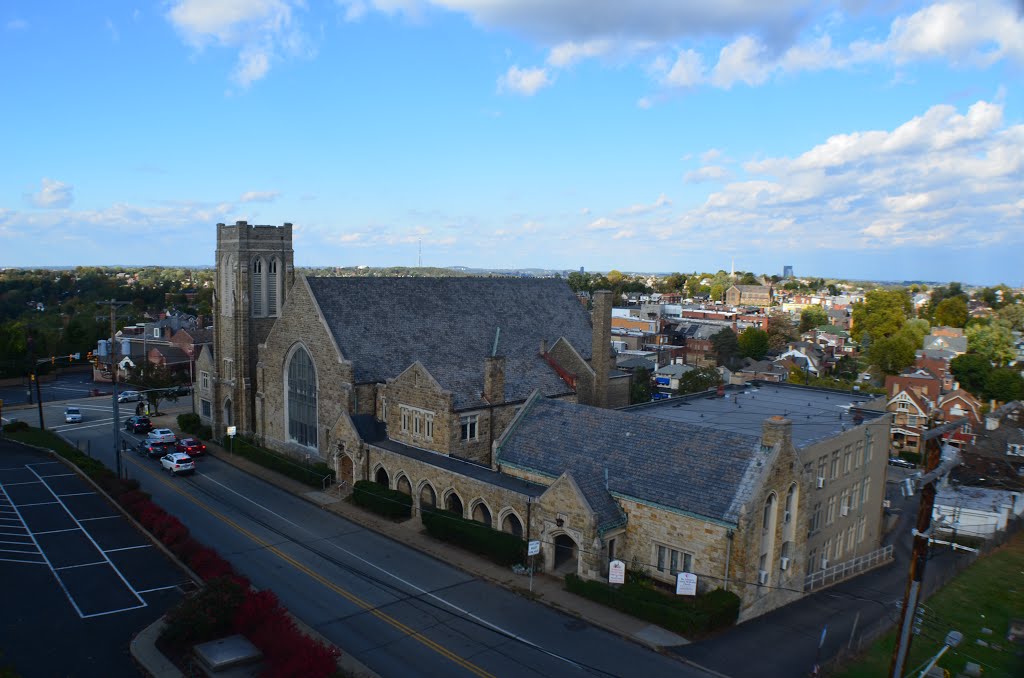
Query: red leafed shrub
254, 611
174, 534
306, 659
150, 516
276, 636
168, 524
208, 565
132, 499
185, 548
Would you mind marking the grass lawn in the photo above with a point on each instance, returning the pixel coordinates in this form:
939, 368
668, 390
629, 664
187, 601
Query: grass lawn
46, 439
986, 595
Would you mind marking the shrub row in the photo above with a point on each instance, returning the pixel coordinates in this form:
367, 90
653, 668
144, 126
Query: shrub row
501, 547
227, 604
15, 426
379, 499
686, 615
310, 474
190, 423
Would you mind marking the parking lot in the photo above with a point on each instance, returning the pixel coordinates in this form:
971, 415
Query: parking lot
72, 564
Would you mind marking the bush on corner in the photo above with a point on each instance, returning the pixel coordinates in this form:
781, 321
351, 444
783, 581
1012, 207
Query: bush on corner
501, 547
189, 422
379, 499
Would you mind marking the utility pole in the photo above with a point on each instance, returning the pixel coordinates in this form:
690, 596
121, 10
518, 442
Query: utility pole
919, 556
113, 378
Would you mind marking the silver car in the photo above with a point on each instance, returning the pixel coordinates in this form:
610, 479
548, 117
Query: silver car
161, 435
72, 415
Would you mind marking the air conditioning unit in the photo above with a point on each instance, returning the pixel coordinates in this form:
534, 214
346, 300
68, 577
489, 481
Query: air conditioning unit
821, 482
843, 510
784, 563
762, 577
824, 563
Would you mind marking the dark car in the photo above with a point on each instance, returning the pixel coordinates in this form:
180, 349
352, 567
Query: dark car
138, 424
191, 446
154, 450
901, 463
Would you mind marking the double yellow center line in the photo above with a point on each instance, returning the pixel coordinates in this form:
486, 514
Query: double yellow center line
354, 599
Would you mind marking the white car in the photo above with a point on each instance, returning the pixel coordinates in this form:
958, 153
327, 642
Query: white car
129, 397
178, 463
72, 415
161, 435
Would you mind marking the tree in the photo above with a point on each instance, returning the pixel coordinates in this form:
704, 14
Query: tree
1012, 316
993, 341
811, 317
157, 383
579, 282
971, 370
780, 330
726, 346
699, 379
717, 291
881, 314
952, 312
748, 279
614, 277
676, 282
753, 343
640, 392
1004, 384
892, 354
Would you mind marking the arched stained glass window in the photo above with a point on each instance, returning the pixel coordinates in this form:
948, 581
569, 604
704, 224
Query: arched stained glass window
301, 390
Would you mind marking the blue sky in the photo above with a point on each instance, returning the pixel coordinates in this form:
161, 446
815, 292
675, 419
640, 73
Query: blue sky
856, 138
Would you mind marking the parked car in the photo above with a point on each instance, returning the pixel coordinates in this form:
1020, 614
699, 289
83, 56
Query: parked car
138, 424
129, 396
177, 391
901, 463
153, 450
177, 463
191, 446
161, 435
72, 415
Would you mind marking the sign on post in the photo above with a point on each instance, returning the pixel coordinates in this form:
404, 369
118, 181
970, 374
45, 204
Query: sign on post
231, 431
616, 572
533, 548
686, 584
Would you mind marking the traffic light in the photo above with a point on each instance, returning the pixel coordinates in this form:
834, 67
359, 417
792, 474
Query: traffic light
53, 360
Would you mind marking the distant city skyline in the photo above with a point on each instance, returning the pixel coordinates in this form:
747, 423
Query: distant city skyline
862, 140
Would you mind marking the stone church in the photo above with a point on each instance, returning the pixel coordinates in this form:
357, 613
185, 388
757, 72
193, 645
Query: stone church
492, 397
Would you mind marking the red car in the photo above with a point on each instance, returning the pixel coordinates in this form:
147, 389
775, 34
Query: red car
191, 446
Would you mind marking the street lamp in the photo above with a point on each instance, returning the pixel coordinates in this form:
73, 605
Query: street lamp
953, 638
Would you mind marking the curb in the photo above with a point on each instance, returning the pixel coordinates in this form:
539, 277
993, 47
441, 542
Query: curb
143, 649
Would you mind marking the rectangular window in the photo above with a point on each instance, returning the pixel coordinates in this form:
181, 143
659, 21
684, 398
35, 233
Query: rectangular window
868, 447
902, 406
854, 496
847, 460
844, 503
204, 380
468, 427
405, 418
822, 464
673, 561
850, 533
1014, 450
830, 514
866, 492
417, 424
859, 458
812, 561
860, 529
429, 420
816, 518
229, 369
205, 408
835, 465
826, 553
611, 549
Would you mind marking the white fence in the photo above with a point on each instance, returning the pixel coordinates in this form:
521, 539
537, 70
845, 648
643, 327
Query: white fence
850, 568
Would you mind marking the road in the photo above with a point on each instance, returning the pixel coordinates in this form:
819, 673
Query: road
395, 609
67, 385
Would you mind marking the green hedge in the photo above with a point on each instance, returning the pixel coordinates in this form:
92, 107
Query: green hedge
687, 615
501, 547
189, 422
379, 499
310, 474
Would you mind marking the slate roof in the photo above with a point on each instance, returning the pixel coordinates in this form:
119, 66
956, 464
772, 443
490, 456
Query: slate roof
384, 325
680, 466
955, 344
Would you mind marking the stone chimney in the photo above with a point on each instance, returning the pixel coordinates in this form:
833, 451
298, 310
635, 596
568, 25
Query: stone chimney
601, 360
494, 379
777, 430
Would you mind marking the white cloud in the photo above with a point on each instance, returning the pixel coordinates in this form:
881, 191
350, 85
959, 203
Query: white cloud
52, 194
568, 53
633, 210
707, 173
688, 70
524, 81
602, 224
112, 29
942, 177
963, 32
259, 196
261, 30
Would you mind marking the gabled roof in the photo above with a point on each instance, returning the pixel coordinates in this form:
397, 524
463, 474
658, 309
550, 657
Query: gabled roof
383, 325
693, 469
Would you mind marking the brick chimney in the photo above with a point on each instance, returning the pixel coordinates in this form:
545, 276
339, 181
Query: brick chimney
777, 430
601, 360
494, 379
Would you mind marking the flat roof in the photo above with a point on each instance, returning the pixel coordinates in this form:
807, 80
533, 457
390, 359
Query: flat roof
817, 414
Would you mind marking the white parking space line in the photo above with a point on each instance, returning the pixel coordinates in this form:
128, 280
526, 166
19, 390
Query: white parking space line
43, 556
53, 475
28, 562
160, 588
123, 609
41, 503
82, 520
74, 494
76, 427
70, 529
10, 534
27, 482
129, 548
71, 567
21, 552
97, 546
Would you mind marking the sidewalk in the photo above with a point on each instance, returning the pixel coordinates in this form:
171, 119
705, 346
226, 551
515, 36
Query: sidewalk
546, 589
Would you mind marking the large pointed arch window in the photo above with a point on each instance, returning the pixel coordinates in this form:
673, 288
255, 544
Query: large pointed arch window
257, 287
273, 291
301, 405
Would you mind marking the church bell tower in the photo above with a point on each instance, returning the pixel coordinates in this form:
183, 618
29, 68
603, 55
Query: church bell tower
255, 271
